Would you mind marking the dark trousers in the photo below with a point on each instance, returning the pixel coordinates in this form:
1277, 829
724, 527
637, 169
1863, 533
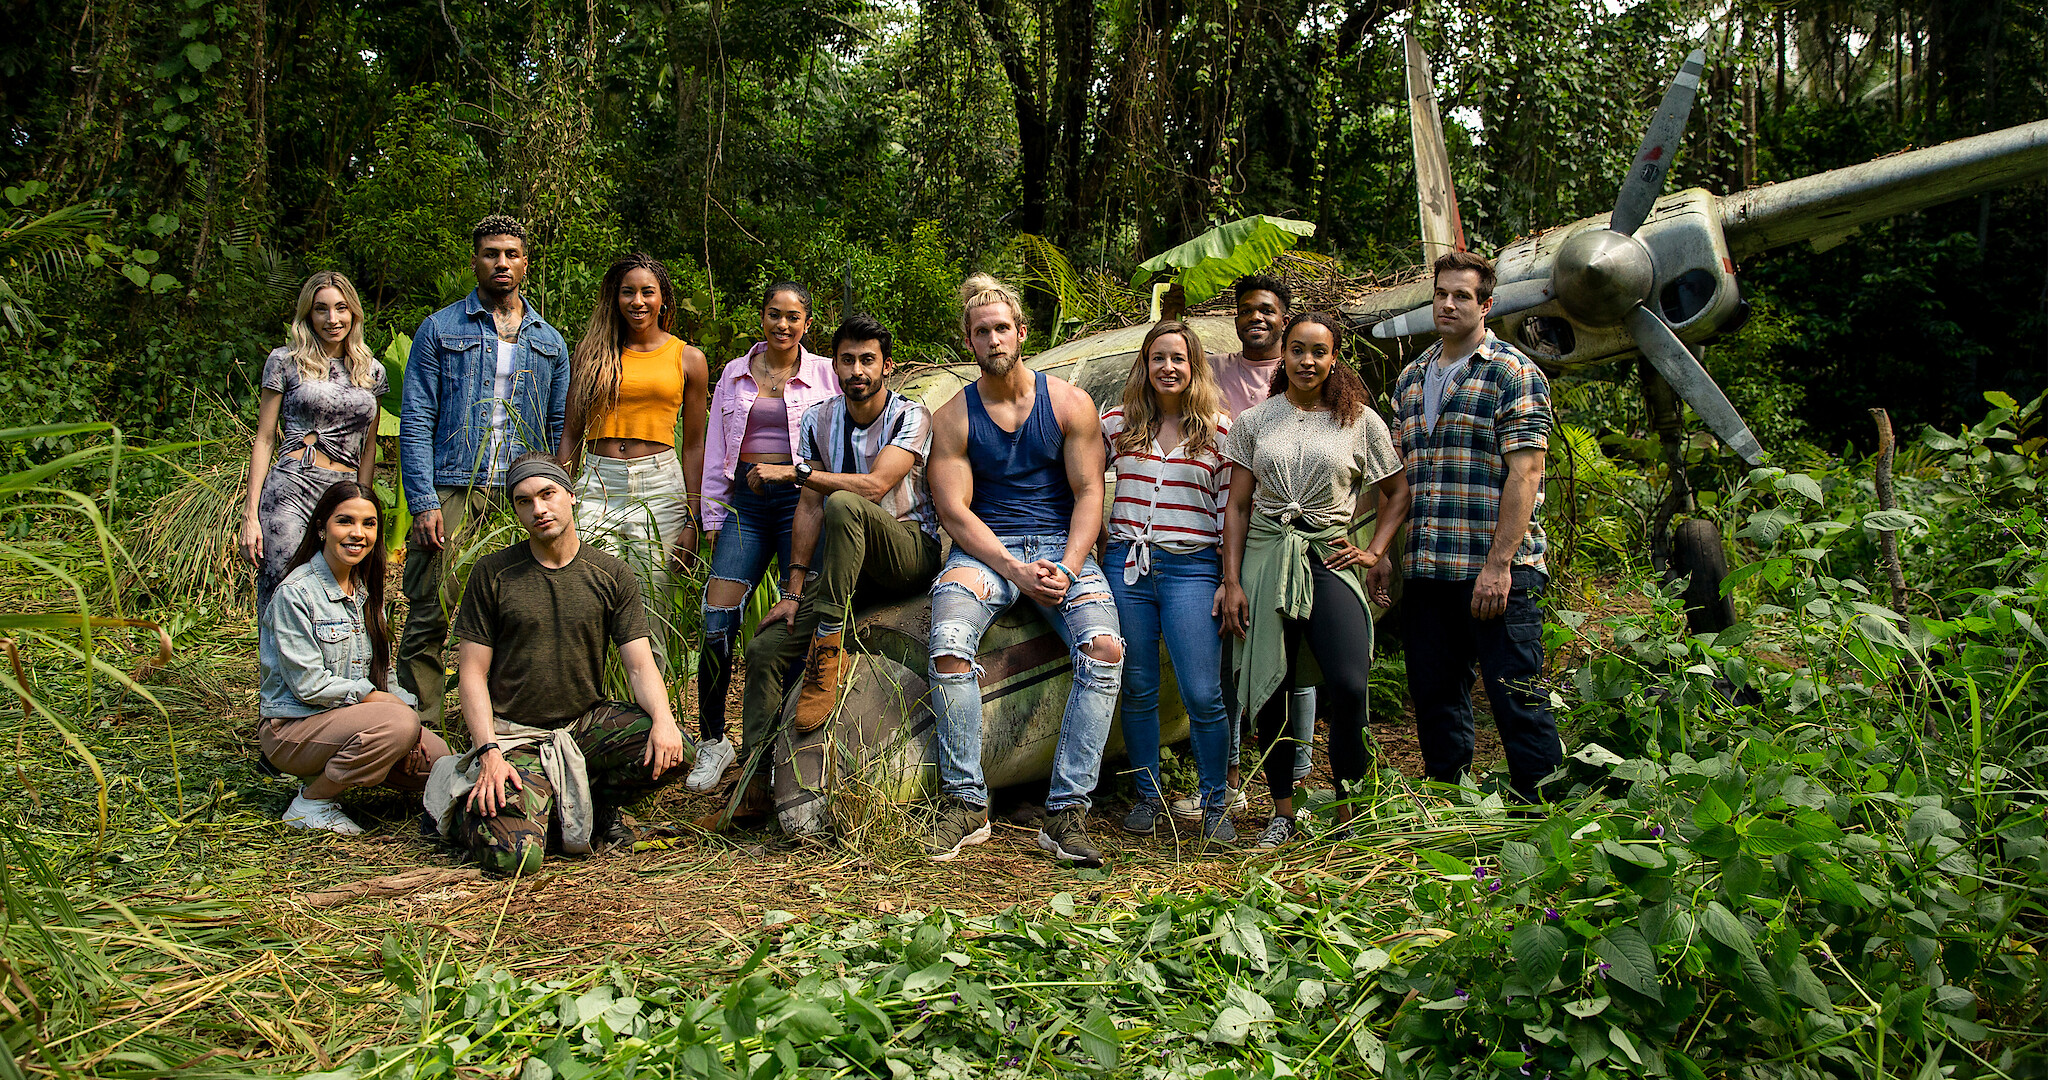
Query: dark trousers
1443, 641
1339, 633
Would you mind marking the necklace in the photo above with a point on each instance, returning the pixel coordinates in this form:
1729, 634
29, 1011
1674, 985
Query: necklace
773, 382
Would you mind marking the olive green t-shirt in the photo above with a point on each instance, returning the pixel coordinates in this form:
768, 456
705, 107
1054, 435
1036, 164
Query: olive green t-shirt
547, 629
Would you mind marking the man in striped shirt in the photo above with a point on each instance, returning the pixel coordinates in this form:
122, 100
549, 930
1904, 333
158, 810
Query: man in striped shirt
864, 529
1474, 422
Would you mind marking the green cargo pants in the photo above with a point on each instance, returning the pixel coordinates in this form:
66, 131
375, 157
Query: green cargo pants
613, 738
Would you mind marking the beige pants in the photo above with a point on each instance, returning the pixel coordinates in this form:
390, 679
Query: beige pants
374, 742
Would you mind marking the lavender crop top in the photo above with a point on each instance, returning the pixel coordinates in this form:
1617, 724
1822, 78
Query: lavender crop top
767, 427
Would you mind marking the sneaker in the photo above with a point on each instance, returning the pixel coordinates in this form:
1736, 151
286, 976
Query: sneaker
1143, 818
1065, 834
712, 759
957, 825
323, 814
1278, 831
1218, 829
1190, 808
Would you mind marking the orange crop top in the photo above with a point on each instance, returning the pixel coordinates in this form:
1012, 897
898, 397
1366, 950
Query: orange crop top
650, 395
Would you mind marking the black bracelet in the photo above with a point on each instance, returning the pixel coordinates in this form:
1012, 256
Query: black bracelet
800, 566
487, 746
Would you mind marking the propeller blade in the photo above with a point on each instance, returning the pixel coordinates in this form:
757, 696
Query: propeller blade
1514, 296
1646, 177
1682, 370
1416, 321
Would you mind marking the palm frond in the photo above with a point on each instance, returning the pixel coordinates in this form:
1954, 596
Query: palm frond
55, 241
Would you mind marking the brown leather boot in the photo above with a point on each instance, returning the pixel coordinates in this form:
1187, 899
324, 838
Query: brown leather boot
820, 694
757, 802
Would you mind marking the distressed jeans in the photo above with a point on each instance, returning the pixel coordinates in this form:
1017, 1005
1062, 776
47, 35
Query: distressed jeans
960, 615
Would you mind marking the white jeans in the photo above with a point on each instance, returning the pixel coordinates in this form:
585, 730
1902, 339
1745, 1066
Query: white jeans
635, 508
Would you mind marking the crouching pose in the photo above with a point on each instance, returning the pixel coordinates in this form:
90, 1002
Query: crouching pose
864, 528
551, 758
1016, 476
329, 712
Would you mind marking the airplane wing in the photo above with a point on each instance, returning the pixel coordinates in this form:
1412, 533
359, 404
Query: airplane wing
1838, 201
1442, 229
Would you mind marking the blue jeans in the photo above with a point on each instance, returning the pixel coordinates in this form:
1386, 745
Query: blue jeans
1443, 641
757, 529
1179, 592
961, 615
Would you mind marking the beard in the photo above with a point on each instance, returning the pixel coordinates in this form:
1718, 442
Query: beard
999, 365
863, 394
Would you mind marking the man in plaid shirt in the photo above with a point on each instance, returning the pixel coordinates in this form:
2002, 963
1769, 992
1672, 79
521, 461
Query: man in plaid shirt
1473, 418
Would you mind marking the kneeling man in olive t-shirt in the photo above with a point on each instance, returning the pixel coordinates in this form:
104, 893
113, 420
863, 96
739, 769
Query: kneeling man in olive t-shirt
552, 759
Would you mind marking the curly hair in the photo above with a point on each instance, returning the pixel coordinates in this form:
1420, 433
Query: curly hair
497, 225
1344, 393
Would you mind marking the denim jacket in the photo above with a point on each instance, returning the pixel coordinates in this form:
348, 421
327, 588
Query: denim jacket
313, 647
444, 421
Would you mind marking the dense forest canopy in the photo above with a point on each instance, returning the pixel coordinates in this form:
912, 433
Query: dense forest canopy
217, 150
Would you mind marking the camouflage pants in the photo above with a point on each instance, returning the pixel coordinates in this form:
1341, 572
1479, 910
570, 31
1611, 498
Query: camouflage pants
613, 738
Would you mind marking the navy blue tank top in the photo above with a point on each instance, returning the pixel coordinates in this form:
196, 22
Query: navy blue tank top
1020, 478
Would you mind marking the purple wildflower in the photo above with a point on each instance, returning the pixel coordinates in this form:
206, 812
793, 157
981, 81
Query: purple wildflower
1493, 886
1479, 872
1463, 993
1603, 969
956, 999
1656, 832
1552, 914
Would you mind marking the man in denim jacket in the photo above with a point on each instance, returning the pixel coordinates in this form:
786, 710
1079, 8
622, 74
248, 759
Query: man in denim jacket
487, 381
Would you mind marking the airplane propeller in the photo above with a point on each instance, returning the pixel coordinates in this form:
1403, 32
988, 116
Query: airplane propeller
1604, 277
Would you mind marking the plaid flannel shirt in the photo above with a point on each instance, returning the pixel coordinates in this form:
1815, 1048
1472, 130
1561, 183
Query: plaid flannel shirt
1502, 404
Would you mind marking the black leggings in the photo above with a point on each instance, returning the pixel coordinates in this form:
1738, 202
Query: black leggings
1340, 636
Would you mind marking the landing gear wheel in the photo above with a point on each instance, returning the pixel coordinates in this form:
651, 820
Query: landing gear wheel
1696, 550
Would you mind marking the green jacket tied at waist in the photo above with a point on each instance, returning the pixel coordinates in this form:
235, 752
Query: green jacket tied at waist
1278, 584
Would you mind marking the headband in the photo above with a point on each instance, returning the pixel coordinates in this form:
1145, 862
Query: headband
532, 467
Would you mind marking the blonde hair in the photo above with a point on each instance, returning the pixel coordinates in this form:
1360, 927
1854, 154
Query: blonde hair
981, 290
598, 362
305, 346
1199, 407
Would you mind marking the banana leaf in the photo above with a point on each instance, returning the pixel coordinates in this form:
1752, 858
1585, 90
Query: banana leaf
1208, 264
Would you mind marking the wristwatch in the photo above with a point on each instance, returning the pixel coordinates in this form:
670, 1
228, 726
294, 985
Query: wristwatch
803, 473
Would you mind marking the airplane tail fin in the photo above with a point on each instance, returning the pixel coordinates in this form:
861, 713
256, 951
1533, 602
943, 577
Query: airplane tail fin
1442, 229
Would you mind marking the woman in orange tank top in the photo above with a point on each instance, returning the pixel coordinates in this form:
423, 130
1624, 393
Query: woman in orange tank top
633, 433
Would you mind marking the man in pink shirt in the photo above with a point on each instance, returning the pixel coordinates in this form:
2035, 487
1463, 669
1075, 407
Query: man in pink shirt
1246, 378
1263, 304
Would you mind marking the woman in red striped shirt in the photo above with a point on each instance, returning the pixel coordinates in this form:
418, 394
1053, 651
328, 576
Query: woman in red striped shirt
1164, 529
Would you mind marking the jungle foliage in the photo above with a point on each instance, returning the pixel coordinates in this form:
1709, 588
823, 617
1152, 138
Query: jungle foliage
172, 170
1810, 845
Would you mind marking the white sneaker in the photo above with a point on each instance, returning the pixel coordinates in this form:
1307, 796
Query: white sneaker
1190, 808
324, 814
712, 759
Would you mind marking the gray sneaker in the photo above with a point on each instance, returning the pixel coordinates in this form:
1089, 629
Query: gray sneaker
1218, 830
1143, 818
1278, 831
1065, 834
956, 825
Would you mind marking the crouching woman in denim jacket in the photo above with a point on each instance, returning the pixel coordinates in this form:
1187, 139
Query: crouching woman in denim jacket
329, 714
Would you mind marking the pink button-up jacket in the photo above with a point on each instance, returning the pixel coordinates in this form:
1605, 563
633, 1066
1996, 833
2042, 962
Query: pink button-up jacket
732, 399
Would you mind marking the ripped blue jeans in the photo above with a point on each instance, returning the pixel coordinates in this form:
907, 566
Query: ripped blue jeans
961, 614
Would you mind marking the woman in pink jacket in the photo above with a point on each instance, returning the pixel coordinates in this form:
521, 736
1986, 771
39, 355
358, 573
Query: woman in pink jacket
750, 494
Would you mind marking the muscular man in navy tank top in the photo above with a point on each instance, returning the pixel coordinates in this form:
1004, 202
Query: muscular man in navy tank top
1016, 477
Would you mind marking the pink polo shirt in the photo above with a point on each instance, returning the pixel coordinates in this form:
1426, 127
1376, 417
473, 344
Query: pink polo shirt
1244, 382
732, 399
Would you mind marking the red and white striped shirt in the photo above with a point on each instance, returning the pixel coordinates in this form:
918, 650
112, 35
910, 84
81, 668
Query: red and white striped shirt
1165, 498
